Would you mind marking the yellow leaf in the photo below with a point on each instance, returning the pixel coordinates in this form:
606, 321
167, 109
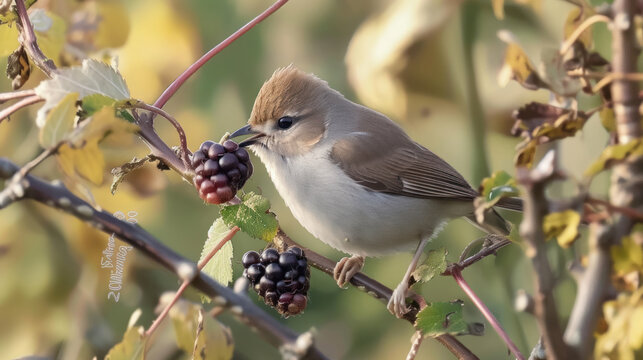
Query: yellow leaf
86, 161
607, 118
635, 331
103, 122
615, 153
197, 334
563, 226
498, 8
628, 256
132, 347
518, 67
114, 26
8, 40
59, 122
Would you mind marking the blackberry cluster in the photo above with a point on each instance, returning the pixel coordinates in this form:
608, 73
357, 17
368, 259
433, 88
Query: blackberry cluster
281, 279
221, 170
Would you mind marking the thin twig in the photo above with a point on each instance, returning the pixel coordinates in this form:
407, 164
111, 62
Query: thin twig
186, 283
6, 112
14, 95
30, 43
627, 211
38, 159
416, 341
176, 84
59, 197
484, 252
580, 29
179, 129
457, 275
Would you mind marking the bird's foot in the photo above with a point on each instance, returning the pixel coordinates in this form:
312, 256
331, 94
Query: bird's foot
397, 302
346, 268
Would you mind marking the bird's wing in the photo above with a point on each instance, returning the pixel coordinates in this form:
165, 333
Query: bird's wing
394, 164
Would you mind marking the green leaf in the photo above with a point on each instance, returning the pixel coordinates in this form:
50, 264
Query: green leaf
60, 121
220, 266
252, 217
199, 335
435, 264
132, 347
499, 185
441, 318
93, 77
95, 102
562, 226
615, 153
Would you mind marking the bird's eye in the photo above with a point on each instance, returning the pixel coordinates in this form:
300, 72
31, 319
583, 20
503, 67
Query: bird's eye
285, 122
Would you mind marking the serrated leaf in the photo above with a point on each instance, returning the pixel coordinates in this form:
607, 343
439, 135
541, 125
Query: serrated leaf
615, 153
441, 318
435, 264
251, 217
563, 226
200, 335
60, 121
93, 77
132, 347
220, 266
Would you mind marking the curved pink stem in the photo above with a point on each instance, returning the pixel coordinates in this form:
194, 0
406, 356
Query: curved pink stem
167, 94
457, 275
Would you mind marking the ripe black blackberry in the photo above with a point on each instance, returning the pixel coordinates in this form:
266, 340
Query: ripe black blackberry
221, 170
281, 279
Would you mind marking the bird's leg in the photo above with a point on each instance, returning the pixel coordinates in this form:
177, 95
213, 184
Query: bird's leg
397, 302
346, 268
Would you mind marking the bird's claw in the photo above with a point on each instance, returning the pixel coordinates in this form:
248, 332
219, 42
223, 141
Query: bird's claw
397, 302
346, 268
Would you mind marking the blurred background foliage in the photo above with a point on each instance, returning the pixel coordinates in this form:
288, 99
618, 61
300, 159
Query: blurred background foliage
406, 58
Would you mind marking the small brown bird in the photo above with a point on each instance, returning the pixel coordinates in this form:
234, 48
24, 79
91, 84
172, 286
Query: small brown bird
352, 177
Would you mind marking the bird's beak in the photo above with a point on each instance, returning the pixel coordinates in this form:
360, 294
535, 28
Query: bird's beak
247, 130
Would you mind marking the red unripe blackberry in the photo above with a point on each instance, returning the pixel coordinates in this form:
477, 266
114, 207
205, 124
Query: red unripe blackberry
226, 168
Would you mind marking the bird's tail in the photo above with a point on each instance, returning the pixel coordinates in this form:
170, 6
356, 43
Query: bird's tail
510, 203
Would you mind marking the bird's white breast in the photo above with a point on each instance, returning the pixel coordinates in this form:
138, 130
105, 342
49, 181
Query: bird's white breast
344, 214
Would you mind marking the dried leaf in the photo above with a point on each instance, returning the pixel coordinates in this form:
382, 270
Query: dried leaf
624, 336
132, 347
18, 68
563, 226
518, 67
120, 172
498, 8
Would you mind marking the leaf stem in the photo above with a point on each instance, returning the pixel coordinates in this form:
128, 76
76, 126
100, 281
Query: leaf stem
178, 82
457, 275
8, 96
186, 283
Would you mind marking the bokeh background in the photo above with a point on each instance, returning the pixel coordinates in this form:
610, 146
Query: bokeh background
415, 60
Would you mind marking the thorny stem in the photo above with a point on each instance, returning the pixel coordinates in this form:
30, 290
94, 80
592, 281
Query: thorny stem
176, 84
6, 112
30, 43
457, 275
186, 283
484, 252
